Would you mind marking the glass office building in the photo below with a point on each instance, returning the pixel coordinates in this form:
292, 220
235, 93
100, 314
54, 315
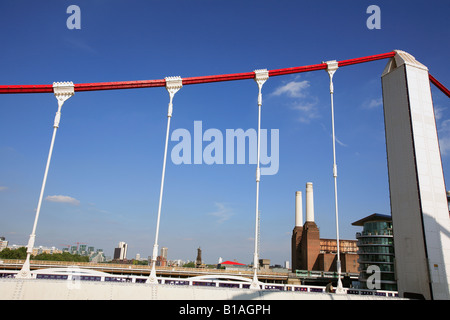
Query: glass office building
376, 252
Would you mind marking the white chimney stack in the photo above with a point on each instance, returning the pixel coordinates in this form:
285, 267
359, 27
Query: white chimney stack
298, 209
309, 202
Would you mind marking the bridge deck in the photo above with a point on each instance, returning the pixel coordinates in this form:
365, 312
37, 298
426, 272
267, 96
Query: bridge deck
36, 289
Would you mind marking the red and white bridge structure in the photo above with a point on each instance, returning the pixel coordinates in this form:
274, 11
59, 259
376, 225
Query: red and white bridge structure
418, 197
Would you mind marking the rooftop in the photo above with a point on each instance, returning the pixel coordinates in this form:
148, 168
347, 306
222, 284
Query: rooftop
372, 217
232, 263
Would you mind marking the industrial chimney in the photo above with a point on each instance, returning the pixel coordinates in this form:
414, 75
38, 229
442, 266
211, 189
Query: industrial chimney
298, 209
309, 202
297, 233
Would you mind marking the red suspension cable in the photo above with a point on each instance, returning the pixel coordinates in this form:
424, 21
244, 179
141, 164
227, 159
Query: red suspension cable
186, 81
5, 89
439, 85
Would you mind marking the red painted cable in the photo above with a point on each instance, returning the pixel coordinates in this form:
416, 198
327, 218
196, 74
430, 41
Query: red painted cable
27, 88
119, 85
366, 59
439, 85
186, 81
223, 77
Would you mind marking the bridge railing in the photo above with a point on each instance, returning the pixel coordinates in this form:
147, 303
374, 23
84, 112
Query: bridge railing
219, 282
322, 274
116, 266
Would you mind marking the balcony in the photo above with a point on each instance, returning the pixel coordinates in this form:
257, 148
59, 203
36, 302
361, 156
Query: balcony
387, 233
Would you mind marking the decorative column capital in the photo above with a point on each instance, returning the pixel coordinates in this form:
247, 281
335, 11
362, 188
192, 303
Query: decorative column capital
261, 76
173, 84
63, 90
332, 66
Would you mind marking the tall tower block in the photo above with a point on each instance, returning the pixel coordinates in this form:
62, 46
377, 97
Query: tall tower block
420, 215
198, 260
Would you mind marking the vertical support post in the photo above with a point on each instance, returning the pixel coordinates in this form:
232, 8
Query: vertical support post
173, 84
62, 91
332, 66
261, 77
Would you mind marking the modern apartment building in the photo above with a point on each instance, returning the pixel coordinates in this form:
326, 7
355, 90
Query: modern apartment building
376, 252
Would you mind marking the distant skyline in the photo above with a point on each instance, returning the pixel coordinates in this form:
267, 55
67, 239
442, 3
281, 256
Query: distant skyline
104, 178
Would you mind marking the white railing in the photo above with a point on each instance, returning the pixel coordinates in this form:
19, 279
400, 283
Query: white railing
217, 281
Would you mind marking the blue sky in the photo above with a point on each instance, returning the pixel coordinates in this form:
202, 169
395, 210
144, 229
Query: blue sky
109, 147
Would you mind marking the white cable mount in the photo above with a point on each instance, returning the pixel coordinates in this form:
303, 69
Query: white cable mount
173, 84
62, 91
332, 66
261, 76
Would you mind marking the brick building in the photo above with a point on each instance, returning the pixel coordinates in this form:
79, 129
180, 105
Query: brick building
309, 251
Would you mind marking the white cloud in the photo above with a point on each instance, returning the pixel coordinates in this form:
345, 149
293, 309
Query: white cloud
444, 137
308, 111
222, 213
373, 103
80, 45
63, 199
438, 112
306, 106
331, 136
293, 89
3, 188
340, 142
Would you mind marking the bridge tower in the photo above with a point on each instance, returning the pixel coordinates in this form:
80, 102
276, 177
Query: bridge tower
420, 215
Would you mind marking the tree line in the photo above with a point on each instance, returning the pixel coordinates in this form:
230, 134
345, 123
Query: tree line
21, 254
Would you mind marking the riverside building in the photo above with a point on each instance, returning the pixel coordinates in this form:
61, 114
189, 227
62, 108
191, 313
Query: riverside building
376, 252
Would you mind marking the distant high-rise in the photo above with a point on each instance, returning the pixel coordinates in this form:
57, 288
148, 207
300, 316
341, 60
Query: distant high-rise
3, 243
198, 261
120, 253
164, 252
82, 249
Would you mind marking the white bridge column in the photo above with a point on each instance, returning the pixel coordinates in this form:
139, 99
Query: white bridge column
173, 84
62, 91
261, 77
420, 215
332, 66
